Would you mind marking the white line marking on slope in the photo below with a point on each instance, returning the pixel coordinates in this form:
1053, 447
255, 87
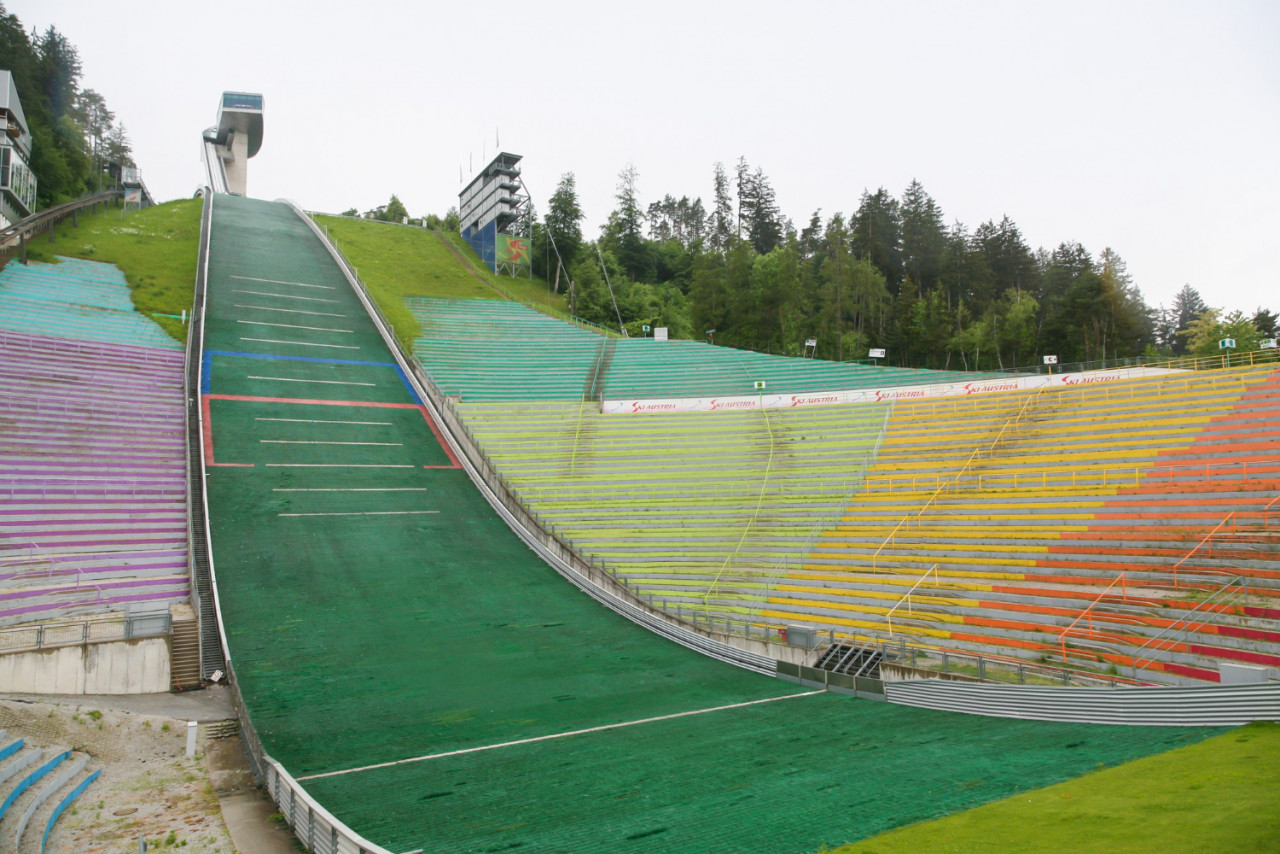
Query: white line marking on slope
300, 343
350, 489
519, 741
340, 465
294, 326
290, 310
282, 282
309, 442
283, 296
324, 421
325, 382
368, 513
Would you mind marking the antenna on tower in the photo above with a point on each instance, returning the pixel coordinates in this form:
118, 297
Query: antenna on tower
496, 140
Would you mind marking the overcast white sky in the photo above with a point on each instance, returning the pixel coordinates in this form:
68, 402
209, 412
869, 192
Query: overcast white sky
1150, 127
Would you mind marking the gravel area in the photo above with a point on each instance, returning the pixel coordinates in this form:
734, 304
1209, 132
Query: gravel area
148, 788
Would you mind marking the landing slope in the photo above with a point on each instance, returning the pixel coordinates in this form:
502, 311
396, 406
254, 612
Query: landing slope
379, 612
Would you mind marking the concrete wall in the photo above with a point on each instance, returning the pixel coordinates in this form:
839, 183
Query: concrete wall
236, 163
119, 667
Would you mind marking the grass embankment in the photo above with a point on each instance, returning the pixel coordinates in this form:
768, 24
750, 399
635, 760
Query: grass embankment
156, 248
1218, 795
396, 262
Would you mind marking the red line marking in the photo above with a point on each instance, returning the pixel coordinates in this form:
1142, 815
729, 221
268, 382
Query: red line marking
208, 439
208, 431
444, 446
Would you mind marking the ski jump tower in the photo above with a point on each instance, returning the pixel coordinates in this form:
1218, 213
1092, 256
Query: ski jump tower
237, 137
494, 214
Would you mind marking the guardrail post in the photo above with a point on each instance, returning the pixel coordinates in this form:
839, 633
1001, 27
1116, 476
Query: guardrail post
22, 248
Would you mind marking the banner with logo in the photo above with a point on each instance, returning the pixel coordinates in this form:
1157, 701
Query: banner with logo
879, 395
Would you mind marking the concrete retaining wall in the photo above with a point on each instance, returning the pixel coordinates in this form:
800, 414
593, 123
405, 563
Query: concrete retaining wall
120, 667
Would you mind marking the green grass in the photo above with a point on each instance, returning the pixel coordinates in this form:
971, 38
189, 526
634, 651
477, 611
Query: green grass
396, 262
156, 248
1218, 795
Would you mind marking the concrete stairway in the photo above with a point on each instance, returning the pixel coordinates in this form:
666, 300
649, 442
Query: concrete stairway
37, 785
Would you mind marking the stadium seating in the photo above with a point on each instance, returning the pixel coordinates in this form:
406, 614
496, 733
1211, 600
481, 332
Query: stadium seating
82, 300
1012, 512
1085, 488
92, 456
496, 350
36, 787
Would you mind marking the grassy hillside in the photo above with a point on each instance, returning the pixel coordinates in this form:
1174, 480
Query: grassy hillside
397, 262
1218, 795
156, 248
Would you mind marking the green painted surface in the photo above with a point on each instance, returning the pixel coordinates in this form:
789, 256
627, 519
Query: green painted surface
415, 623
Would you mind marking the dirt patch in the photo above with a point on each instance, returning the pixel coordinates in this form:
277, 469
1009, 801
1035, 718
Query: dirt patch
148, 788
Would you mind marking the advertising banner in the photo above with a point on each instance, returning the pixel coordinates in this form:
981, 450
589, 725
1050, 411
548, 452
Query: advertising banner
513, 250
878, 395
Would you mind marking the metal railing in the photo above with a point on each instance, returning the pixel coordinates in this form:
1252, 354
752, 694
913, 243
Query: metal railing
984, 667
1075, 476
13, 239
906, 597
49, 635
1227, 596
954, 479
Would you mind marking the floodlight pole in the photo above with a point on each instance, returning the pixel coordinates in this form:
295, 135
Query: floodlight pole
551, 235
611, 296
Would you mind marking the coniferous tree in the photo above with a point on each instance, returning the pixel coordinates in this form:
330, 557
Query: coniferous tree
924, 238
564, 224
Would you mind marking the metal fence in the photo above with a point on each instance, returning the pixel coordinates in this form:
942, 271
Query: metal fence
14, 239
49, 635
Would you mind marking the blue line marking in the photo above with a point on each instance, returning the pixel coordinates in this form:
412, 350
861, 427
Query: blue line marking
408, 387
206, 371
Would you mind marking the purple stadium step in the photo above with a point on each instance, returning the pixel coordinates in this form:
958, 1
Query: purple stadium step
92, 476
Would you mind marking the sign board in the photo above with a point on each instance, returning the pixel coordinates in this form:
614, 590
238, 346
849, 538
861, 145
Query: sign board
811, 342
876, 353
644, 328
133, 196
1051, 360
1227, 344
660, 333
1026, 382
1267, 344
759, 384
512, 250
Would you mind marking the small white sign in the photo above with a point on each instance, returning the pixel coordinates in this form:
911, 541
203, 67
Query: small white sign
1051, 360
811, 342
759, 384
1267, 344
1227, 344
876, 353
660, 333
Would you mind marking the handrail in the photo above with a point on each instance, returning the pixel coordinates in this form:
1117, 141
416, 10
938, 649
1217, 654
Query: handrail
764, 485
1017, 478
1207, 538
1088, 612
956, 477
573, 460
47, 219
215, 169
1063, 674
47, 635
906, 597
1185, 620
